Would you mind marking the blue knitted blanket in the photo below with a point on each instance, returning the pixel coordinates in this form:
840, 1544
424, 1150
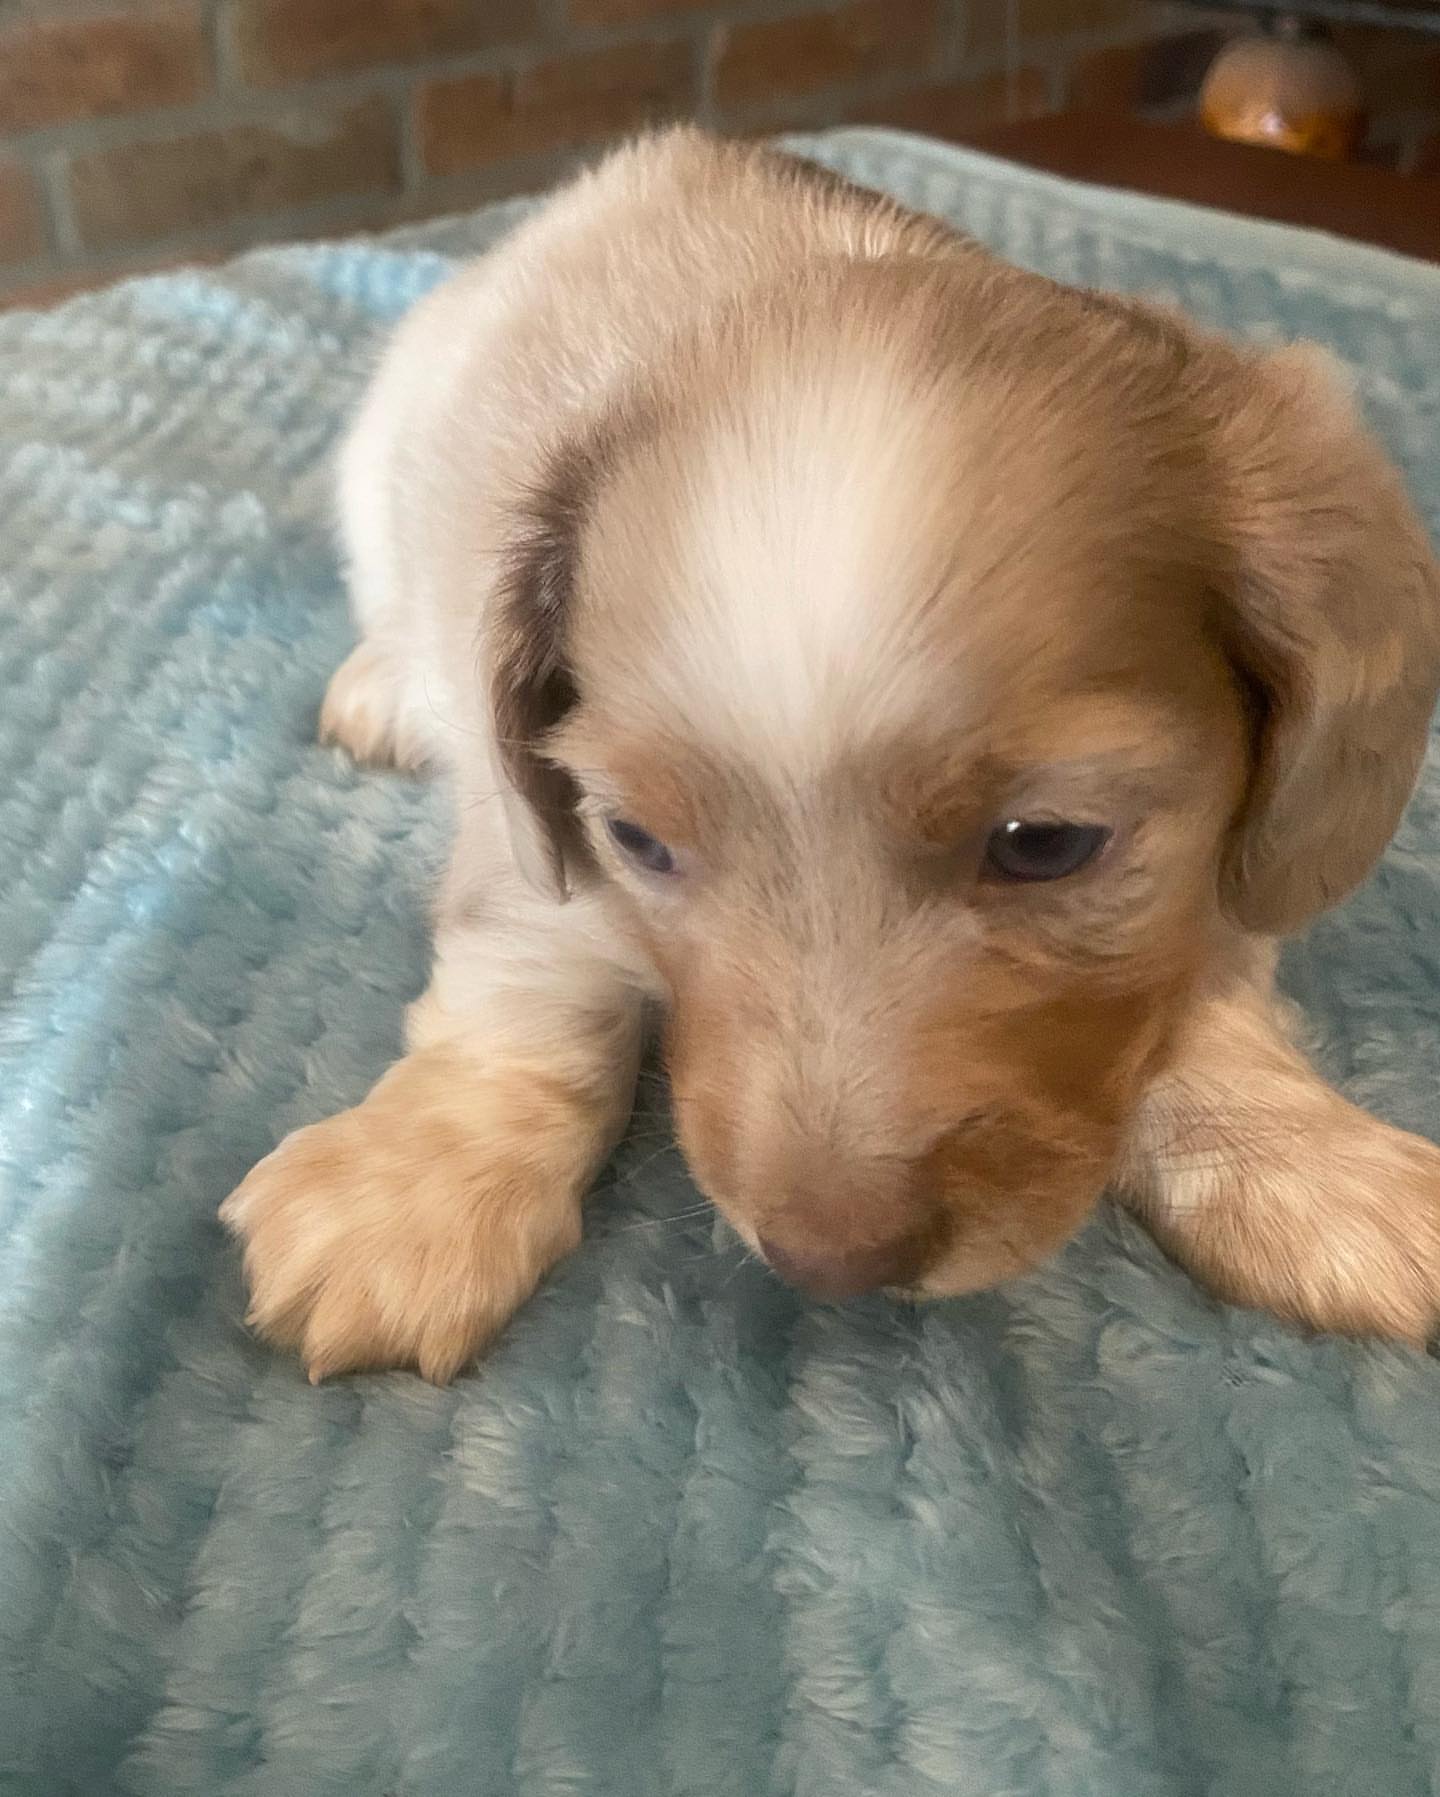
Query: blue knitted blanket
684, 1534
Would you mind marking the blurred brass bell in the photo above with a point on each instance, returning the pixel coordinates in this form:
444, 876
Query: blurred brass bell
1289, 89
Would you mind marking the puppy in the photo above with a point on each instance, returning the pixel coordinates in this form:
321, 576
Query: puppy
938, 688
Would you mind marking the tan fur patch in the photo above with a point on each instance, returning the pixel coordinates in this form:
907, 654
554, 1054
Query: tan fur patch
407, 1231
1275, 1191
819, 544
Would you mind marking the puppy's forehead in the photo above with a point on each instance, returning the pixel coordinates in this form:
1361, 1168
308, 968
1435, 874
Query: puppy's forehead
843, 547
770, 575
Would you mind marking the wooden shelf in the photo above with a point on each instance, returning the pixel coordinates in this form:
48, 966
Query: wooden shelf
1181, 162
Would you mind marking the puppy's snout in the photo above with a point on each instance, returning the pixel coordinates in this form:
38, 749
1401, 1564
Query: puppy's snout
836, 1224
835, 1270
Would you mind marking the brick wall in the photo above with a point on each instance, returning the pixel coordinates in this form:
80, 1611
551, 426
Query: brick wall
135, 133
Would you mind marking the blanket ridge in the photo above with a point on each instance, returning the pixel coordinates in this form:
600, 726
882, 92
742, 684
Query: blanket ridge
683, 1534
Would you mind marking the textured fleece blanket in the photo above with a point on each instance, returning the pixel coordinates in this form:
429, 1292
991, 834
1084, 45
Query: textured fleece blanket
684, 1534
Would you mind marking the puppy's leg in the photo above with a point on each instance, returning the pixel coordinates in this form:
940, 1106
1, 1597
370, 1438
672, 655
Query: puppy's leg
407, 1231
1275, 1191
376, 704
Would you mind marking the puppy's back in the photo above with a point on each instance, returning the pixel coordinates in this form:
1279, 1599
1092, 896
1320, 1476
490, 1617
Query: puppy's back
667, 231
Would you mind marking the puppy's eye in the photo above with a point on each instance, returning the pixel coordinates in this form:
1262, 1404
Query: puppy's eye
640, 846
1018, 850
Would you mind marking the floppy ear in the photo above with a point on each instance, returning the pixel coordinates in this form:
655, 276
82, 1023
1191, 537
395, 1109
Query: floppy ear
530, 685
1332, 611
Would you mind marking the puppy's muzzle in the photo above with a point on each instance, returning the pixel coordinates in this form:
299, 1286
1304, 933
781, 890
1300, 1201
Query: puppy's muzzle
836, 1226
831, 1270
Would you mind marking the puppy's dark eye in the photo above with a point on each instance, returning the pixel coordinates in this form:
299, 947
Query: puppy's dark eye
640, 846
1018, 850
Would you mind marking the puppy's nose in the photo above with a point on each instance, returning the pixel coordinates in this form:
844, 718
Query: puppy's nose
829, 1271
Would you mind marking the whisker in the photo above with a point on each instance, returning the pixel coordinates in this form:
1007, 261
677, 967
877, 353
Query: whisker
631, 1174
747, 1255
675, 1221
448, 723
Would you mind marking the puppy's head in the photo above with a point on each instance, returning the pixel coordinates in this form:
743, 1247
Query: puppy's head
942, 673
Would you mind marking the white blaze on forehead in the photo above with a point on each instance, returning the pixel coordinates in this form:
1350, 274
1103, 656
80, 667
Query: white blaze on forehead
807, 538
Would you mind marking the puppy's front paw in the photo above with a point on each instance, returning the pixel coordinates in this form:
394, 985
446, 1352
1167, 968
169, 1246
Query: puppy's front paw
369, 710
1336, 1227
403, 1233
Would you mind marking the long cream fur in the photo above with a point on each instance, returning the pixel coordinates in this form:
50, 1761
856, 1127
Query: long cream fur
732, 499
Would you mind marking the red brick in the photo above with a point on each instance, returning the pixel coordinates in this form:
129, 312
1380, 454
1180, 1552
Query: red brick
625, 12
1054, 18
22, 228
572, 100
292, 40
55, 71
87, 280
153, 189
1036, 21
959, 108
823, 49
39, 294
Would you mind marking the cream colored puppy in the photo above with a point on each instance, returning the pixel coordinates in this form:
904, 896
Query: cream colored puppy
937, 689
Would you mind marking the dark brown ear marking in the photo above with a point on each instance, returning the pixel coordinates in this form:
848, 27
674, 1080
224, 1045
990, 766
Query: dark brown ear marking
531, 688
